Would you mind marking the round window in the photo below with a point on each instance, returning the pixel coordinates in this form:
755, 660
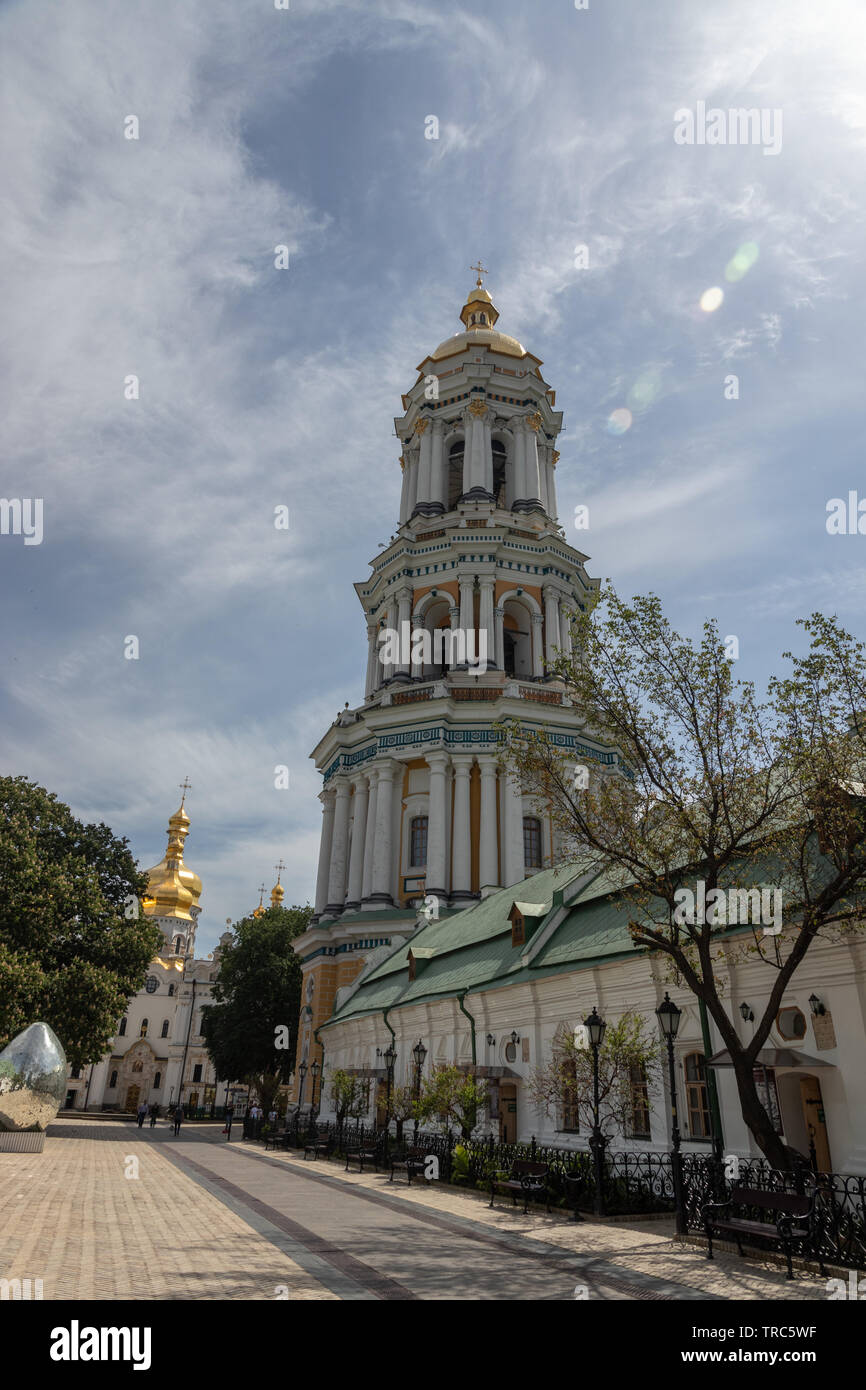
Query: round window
511, 1052
151, 984
791, 1023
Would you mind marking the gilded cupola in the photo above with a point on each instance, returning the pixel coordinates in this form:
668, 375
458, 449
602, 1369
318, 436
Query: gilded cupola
173, 890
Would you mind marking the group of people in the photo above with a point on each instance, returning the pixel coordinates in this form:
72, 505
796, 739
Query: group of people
176, 1115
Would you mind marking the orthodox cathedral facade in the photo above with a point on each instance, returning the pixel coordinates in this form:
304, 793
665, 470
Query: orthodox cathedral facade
444, 912
158, 1054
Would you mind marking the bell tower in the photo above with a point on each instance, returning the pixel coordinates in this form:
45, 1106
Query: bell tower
465, 613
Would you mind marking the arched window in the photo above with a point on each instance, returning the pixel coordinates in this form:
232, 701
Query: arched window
697, 1098
142, 1032
532, 842
418, 842
566, 1064
455, 473
157, 1081
640, 1107
164, 1033
121, 1032
178, 945
112, 1082
170, 991
498, 449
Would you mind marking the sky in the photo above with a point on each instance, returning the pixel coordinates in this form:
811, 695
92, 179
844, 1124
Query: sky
260, 387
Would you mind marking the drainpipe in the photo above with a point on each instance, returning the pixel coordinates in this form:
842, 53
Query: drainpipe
464, 1010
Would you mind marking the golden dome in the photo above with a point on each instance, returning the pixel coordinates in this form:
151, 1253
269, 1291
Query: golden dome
278, 892
485, 337
260, 911
172, 888
479, 315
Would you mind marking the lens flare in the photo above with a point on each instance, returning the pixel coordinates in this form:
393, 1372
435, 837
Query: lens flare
645, 390
619, 421
741, 262
711, 299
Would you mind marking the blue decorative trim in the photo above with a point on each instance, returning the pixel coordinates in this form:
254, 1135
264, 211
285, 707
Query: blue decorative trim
454, 738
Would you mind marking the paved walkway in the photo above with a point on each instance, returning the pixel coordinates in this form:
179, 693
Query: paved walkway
112, 1212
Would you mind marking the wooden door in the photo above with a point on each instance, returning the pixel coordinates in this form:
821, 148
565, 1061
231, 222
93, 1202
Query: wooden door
132, 1100
816, 1125
508, 1114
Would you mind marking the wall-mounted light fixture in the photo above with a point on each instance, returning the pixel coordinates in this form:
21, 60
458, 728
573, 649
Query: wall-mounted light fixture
816, 1005
491, 1041
515, 1039
747, 1013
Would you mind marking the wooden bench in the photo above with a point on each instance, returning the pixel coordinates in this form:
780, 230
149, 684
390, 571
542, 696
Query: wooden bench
321, 1144
278, 1139
362, 1155
529, 1179
789, 1223
414, 1161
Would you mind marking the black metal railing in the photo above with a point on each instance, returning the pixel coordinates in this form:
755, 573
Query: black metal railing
635, 1183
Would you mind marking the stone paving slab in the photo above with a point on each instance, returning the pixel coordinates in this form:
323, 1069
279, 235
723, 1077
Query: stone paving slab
72, 1218
205, 1219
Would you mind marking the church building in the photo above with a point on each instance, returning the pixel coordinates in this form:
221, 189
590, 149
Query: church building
158, 1054
445, 914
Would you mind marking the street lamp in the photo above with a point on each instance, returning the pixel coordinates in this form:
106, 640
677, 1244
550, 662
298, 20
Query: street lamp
390, 1058
302, 1073
419, 1052
596, 1027
314, 1073
669, 1017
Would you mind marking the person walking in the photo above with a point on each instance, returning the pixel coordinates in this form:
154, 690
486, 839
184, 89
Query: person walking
142, 1111
247, 1122
230, 1114
154, 1113
272, 1121
178, 1118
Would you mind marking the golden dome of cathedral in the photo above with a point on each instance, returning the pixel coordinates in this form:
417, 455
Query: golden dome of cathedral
479, 314
172, 888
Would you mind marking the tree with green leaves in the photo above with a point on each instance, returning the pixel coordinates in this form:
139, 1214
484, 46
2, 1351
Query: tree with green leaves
715, 793
74, 944
403, 1107
348, 1094
627, 1079
452, 1099
251, 1029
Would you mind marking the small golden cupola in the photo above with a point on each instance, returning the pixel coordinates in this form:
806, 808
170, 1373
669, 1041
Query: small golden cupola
278, 892
260, 910
479, 315
173, 890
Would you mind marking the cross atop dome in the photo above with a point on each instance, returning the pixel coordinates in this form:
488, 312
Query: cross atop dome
479, 270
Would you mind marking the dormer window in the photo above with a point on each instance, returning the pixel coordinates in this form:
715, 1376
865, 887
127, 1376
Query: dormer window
518, 927
411, 967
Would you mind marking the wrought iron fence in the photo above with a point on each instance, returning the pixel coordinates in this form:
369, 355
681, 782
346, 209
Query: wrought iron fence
634, 1183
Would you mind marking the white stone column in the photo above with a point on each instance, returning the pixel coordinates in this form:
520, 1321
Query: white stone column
369, 839
359, 832
461, 843
383, 860
339, 848
487, 460
551, 485
518, 484
388, 668
485, 618
417, 666
411, 457
488, 859
477, 468
371, 684
551, 624
499, 642
328, 800
565, 617
542, 476
404, 627
533, 489
438, 471
467, 607
513, 861
537, 651
425, 464
404, 493
468, 440
436, 880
